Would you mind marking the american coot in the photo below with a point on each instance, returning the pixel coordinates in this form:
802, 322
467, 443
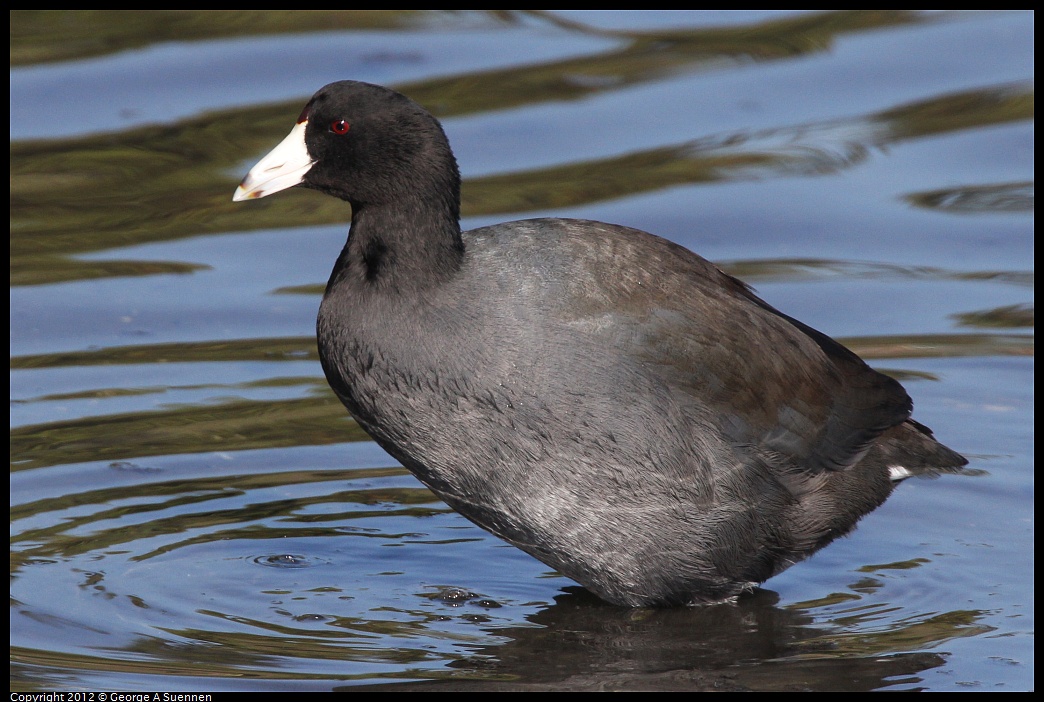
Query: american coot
602, 398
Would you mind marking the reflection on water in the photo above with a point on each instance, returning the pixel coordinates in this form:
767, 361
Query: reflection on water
983, 199
191, 507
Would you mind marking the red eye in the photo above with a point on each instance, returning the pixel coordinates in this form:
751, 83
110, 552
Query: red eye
339, 126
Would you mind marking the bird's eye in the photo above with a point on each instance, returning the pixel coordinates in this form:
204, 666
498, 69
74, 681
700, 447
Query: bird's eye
339, 126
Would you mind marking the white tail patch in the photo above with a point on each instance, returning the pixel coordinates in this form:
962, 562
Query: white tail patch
897, 473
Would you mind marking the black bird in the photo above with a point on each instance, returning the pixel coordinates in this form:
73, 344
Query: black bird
602, 398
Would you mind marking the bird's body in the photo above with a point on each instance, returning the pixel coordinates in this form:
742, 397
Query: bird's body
600, 397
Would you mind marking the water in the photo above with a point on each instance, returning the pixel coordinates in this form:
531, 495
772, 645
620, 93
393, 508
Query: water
191, 508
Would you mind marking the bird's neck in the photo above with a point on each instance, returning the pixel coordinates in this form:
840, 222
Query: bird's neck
395, 248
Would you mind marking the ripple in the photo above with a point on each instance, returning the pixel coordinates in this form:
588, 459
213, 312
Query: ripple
287, 560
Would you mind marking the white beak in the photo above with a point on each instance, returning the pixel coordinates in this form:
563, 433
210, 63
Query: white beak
284, 167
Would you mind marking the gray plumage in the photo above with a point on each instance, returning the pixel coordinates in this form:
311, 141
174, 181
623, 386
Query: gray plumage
602, 398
